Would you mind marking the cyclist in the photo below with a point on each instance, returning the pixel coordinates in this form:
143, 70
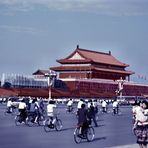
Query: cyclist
83, 119
34, 109
70, 105
50, 110
22, 109
41, 105
81, 101
9, 106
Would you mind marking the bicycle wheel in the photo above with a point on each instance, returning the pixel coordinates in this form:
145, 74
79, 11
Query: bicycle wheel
90, 134
41, 120
46, 125
30, 121
58, 125
77, 137
17, 120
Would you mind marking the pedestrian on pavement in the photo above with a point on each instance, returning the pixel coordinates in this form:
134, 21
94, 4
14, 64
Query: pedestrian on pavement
115, 106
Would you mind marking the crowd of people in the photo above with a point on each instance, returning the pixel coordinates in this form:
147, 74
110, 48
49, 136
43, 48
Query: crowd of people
86, 113
33, 107
36, 107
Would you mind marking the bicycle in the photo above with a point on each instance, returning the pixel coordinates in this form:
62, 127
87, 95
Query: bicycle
19, 120
56, 124
10, 111
30, 121
89, 134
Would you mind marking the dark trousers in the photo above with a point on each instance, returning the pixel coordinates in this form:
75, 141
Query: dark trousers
23, 114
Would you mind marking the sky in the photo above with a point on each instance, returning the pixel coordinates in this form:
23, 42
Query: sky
35, 33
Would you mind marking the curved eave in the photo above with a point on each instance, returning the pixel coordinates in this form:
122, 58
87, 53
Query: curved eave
114, 71
111, 64
87, 68
65, 61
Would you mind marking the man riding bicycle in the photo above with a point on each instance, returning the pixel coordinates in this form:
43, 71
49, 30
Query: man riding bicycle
34, 110
83, 121
50, 110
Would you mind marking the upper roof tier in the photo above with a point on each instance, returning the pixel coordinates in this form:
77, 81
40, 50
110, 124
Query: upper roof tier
89, 56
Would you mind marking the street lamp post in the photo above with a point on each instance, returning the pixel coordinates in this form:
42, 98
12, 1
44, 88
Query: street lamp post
51, 76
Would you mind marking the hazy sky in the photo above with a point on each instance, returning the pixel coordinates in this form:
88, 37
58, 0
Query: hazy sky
34, 33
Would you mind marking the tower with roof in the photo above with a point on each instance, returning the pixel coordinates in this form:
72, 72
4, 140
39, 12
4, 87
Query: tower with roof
88, 64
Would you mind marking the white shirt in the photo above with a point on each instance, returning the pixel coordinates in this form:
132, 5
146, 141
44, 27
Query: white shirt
37, 105
80, 104
89, 104
70, 102
104, 104
22, 105
115, 104
9, 103
50, 109
139, 114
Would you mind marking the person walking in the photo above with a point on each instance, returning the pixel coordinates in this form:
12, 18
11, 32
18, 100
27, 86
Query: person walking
104, 106
115, 106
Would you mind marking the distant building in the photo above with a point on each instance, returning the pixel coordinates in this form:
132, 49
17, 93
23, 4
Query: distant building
23, 81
